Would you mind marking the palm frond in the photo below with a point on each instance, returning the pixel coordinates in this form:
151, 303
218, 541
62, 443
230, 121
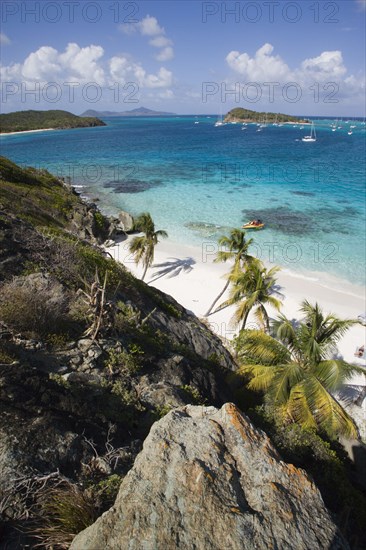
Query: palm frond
335, 372
137, 248
260, 315
287, 377
223, 256
261, 348
161, 233
298, 407
328, 413
261, 376
285, 331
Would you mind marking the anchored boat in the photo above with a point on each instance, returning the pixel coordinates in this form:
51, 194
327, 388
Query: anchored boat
255, 224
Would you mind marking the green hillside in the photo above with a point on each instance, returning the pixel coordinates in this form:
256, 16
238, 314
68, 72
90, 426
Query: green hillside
21, 121
246, 115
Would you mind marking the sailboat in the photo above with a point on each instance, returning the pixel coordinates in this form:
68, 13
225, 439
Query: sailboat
219, 121
312, 136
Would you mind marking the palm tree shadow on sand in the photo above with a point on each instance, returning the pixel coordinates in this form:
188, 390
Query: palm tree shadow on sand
173, 268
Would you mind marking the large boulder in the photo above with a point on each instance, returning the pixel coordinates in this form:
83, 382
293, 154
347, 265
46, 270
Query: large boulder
207, 479
126, 221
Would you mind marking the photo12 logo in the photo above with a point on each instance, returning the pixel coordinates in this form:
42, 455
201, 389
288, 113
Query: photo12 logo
69, 11
270, 12
254, 172
281, 253
69, 92
269, 92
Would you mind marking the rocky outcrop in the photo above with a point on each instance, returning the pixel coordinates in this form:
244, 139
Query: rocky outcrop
207, 479
126, 221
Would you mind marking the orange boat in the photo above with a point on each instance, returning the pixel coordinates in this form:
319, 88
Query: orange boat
253, 225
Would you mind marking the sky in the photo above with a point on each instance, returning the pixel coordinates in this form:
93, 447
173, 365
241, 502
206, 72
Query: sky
187, 57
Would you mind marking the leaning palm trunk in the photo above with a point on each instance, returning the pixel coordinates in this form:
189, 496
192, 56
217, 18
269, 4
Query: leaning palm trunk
145, 271
265, 319
245, 318
217, 299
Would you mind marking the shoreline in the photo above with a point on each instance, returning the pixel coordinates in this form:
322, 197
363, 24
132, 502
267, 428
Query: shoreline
28, 131
194, 281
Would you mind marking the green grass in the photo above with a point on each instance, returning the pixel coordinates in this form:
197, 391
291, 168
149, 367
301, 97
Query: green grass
35, 196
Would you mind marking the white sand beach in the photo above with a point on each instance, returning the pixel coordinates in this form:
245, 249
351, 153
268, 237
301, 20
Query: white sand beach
26, 132
190, 276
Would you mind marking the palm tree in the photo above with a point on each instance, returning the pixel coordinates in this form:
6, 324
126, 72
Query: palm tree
236, 248
253, 288
298, 372
143, 247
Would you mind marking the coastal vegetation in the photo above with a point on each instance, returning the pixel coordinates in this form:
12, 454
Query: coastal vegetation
235, 247
143, 247
240, 114
21, 121
253, 288
297, 370
292, 363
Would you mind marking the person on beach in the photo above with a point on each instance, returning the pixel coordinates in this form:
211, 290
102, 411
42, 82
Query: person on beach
360, 352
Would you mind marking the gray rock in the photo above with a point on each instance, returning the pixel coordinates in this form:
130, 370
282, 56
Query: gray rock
126, 221
85, 344
206, 479
82, 378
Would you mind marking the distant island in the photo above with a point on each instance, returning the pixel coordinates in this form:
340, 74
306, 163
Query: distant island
23, 121
246, 115
140, 111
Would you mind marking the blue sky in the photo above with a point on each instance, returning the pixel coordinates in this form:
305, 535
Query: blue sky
299, 57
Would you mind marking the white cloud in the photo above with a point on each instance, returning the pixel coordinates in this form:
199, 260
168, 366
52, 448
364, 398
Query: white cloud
122, 70
83, 65
327, 70
266, 67
149, 26
160, 42
163, 79
328, 65
260, 68
4, 39
41, 65
166, 94
166, 54
75, 64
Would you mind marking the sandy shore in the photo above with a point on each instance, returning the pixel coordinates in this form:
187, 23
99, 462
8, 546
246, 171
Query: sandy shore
26, 132
190, 276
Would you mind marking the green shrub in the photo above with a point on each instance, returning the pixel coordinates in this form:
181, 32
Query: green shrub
64, 511
91, 260
34, 306
6, 356
106, 491
161, 410
128, 362
194, 395
57, 341
101, 223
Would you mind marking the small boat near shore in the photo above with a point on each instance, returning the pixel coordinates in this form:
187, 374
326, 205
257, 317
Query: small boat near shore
255, 224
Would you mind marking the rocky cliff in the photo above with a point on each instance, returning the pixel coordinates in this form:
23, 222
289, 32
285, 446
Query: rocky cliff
69, 395
208, 479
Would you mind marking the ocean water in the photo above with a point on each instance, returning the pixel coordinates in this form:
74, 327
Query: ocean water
198, 181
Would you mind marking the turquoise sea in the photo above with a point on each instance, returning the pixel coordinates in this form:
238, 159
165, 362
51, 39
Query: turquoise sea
198, 181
